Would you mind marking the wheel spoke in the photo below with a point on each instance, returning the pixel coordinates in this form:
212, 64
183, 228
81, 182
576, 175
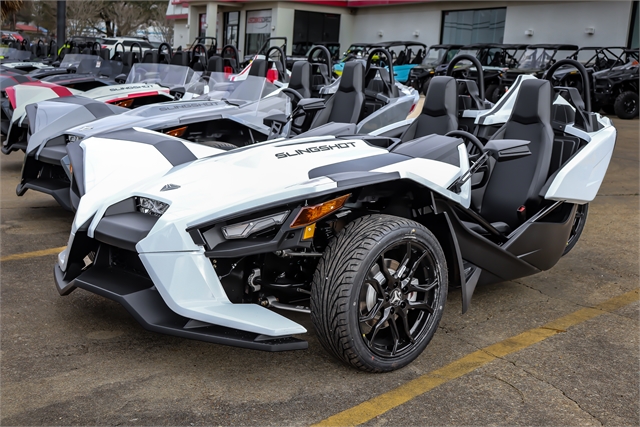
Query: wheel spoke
384, 269
373, 313
376, 286
415, 266
395, 334
405, 323
376, 328
420, 305
424, 288
405, 260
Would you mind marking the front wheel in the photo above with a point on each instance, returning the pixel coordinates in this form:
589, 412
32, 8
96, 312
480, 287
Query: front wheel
579, 222
379, 292
626, 105
425, 85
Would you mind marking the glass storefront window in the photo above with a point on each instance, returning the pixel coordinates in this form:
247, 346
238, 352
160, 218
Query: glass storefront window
258, 30
473, 26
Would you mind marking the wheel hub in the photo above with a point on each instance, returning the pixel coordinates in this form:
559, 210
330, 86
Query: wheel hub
395, 297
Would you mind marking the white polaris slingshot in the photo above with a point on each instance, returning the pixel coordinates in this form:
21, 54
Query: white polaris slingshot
364, 233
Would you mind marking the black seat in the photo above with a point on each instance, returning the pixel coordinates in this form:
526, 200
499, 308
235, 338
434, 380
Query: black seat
345, 105
259, 68
180, 58
231, 63
439, 111
301, 78
150, 57
518, 182
215, 64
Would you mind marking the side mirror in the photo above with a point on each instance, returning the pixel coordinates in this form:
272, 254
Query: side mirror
72, 69
121, 78
311, 104
276, 122
508, 149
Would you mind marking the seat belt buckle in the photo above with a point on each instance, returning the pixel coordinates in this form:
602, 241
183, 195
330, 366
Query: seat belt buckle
522, 214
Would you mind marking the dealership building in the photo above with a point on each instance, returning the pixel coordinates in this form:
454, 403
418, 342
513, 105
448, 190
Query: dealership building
247, 24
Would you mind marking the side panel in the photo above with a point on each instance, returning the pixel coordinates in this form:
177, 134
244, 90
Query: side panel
580, 179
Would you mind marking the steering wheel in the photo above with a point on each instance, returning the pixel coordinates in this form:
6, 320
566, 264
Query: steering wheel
585, 93
477, 64
297, 96
476, 150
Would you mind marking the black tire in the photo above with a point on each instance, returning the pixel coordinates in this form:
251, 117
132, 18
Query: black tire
355, 289
493, 93
626, 105
578, 226
608, 109
219, 144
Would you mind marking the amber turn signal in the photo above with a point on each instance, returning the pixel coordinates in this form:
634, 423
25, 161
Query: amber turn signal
310, 214
126, 103
177, 132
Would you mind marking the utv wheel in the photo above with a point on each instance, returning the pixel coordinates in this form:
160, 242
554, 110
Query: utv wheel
626, 105
379, 292
576, 229
493, 93
219, 144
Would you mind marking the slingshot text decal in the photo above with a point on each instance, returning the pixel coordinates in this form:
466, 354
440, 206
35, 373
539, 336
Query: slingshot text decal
316, 149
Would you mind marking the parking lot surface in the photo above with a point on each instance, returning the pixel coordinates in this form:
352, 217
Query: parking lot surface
557, 348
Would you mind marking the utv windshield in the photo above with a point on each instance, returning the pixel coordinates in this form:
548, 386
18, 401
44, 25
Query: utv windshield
238, 92
165, 75
12, 53
536, 59
434, 56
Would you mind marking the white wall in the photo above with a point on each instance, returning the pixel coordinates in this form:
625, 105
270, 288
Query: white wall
180, 33
565, 22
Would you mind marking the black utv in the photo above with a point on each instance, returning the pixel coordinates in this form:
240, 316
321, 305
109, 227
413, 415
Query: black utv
616, 89
439, 54
537, 58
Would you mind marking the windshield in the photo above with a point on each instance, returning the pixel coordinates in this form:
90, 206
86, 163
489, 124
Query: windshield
434, 56
535, 59
164, 74
12, 53
238, 92
78, 60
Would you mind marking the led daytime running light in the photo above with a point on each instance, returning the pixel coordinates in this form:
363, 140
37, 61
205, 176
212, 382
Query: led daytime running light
310, 214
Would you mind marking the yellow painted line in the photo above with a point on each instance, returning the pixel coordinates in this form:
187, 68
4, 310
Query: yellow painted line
378, 405
26, 255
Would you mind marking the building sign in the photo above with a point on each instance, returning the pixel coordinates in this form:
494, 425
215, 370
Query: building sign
259, 21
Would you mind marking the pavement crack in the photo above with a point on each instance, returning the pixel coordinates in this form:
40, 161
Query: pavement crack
542, 380
510, 385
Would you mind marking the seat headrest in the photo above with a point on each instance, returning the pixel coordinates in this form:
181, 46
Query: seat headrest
533, 104
150, 57
259, 68
301, 78
442, 96
352, 77
215, 64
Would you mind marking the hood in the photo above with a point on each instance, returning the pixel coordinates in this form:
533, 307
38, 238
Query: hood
51, 118
28, 93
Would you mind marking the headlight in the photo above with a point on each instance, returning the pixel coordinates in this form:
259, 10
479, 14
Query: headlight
244, 229
150, 206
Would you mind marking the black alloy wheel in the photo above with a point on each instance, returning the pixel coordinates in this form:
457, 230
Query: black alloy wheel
379, 292
579, 222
